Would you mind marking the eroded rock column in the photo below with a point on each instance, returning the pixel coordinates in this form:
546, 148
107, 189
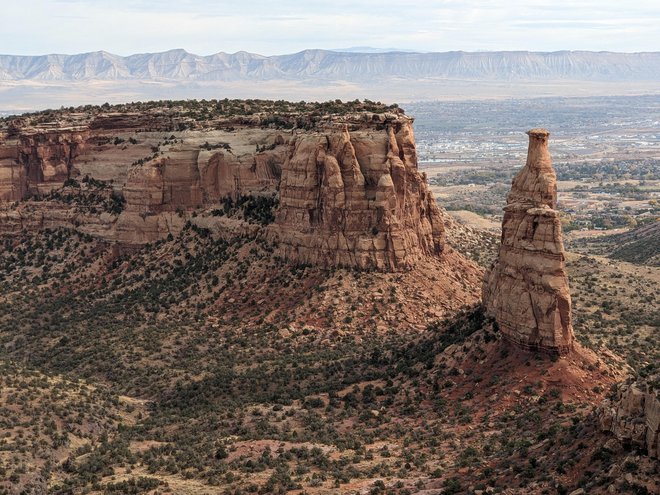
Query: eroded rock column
526, 289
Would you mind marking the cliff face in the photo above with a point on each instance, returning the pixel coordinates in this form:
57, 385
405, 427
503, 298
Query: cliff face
526, 289
349, 190
48, 157
13, 180
227, 174
357, 199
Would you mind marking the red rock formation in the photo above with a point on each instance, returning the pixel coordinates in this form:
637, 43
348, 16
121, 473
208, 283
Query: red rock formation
526, 289
36, 216
13, 180
48, 157
357, 199
37, 162
349, 190
153, 191
633, 416
133, 121
225, 174
169, 182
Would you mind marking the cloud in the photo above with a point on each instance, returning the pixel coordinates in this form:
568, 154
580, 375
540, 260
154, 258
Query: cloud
205, 26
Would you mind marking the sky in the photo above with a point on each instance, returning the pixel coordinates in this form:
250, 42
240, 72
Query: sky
204, 27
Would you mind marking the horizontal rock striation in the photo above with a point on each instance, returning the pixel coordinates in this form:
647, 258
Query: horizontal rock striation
526, 289
134, 121
34, 217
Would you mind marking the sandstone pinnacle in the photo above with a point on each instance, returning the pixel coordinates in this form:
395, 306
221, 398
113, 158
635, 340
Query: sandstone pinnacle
526, 289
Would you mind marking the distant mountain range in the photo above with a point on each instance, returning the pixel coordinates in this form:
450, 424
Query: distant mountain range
180, 65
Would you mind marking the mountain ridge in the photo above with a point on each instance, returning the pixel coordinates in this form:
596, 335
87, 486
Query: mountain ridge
179, 64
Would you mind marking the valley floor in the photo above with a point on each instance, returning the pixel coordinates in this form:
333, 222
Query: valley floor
203, 365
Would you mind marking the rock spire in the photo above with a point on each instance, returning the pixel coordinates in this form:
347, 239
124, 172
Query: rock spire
526, 289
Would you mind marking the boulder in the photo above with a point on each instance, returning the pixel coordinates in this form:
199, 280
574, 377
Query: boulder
633, 415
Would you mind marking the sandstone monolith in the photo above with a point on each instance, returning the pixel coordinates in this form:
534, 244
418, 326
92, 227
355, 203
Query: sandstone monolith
526, 289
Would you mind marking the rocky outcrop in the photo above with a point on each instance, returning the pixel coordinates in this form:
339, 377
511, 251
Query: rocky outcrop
633, 416
47, 158
134, 121
36, 216
348, 186
166, 183
187, 179
13, 179
37, 162
225, 174
526, 289
357, 199
153, 192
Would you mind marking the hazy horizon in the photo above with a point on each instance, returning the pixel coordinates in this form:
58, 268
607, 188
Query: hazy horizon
203, 27
356, 50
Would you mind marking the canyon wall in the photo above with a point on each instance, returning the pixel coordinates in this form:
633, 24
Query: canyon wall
13, 178
37, 161
357, 199
526, 289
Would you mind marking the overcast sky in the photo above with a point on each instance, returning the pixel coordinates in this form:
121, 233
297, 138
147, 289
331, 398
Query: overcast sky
31, 27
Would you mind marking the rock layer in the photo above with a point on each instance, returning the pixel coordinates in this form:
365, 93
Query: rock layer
526, 289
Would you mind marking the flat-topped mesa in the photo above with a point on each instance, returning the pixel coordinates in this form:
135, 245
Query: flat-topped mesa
526, 289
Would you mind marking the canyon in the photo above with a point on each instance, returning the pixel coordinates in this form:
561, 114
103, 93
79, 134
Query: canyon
253, 296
